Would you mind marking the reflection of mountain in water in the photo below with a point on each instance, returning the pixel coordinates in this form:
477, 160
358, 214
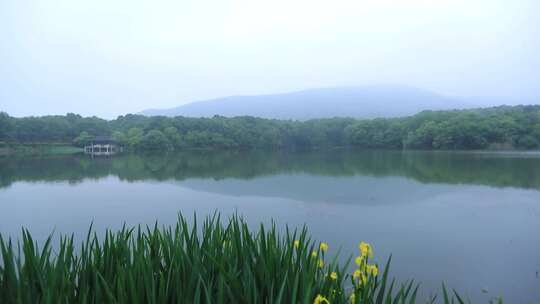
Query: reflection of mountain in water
311, 188
303, 169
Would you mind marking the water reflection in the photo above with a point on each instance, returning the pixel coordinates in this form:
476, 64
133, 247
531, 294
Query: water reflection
519, 170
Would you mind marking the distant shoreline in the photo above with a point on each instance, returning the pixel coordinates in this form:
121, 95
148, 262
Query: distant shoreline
58, 148
29, 149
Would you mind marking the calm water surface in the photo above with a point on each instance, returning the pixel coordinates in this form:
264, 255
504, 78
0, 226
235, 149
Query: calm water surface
470, 219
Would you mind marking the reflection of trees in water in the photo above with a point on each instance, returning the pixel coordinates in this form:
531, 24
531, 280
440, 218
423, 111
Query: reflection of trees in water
427, 167
442, 167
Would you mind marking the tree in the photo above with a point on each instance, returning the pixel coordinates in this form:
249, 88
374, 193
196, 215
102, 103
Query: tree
134, 138
393, 135
536, 131
174, 137
83, 139
358, 134
512, 126
120, 137
422, 138
527, 142
6, 126
154, 140
197, 139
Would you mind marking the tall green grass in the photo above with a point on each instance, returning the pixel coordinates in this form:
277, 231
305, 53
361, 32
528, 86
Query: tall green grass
212, 262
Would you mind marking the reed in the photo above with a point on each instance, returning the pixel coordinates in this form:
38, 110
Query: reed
210, 262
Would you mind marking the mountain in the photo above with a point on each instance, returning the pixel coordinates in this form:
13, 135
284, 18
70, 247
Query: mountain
358, 102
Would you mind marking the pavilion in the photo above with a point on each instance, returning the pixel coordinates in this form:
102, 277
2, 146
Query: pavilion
102, 145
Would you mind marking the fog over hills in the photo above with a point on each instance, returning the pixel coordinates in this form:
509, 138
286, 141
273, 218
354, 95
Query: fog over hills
358, 102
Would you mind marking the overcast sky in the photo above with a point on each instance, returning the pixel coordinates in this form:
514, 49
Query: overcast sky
107, 57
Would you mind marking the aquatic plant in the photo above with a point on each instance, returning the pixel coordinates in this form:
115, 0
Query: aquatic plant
189, 263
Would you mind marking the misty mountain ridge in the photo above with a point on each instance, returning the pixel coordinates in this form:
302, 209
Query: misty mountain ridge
357, 102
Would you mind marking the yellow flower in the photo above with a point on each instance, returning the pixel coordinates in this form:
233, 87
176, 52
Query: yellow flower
359, 260
364, 278
323, 247
353, 298
320, 300
372, 269
296, 244
333, 275
357, 273
365, 249
321, 263
314, 254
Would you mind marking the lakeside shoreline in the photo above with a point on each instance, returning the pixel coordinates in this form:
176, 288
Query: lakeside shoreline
65, 148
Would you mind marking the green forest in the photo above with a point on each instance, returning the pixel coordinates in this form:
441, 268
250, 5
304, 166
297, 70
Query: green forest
505, 127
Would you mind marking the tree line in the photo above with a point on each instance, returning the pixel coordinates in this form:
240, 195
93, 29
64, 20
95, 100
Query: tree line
497, 127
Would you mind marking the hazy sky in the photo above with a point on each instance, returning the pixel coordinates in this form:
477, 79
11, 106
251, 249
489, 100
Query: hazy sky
107, 57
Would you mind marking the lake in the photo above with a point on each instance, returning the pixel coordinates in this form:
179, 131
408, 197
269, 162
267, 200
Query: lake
471, 219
